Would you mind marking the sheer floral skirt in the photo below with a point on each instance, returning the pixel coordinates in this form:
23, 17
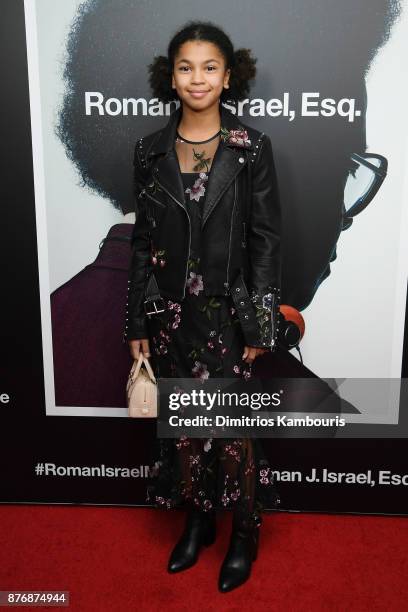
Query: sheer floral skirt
201, 337
213, 474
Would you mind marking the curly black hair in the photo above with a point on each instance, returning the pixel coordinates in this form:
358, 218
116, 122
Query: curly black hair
240, 62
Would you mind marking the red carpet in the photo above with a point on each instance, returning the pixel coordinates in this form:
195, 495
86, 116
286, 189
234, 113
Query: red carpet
114, 559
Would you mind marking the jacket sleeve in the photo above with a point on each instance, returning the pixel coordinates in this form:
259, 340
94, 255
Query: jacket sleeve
264, 246
135, 325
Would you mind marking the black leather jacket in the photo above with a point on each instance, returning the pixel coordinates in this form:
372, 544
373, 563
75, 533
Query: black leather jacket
240, 224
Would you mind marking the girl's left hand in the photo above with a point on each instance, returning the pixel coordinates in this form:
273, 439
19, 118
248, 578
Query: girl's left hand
252, 352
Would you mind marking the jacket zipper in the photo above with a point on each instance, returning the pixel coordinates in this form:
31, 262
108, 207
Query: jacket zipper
189, 232
150, 217
218, 198
154, 200
149, 210
226, 284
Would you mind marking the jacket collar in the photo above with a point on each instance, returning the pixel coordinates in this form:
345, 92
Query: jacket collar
167, 136
229, 160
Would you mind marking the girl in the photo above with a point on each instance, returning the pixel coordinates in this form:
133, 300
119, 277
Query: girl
219, 286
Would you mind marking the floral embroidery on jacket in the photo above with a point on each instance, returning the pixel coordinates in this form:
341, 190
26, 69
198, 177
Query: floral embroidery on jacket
238, 138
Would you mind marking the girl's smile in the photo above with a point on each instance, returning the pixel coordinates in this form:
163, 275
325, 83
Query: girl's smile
199, 74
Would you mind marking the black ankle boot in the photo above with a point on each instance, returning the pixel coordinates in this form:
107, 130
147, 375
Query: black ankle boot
199, 530
236, 567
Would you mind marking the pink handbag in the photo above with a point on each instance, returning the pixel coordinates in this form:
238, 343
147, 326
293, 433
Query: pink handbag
141, 390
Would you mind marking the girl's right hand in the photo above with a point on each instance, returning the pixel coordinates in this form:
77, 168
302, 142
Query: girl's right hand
137, 346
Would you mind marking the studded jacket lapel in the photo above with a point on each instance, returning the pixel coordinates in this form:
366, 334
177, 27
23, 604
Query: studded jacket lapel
227, 163
166, 169
168, 174
229, 159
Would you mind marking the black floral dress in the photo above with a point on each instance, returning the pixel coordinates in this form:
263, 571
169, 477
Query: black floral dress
201, 337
